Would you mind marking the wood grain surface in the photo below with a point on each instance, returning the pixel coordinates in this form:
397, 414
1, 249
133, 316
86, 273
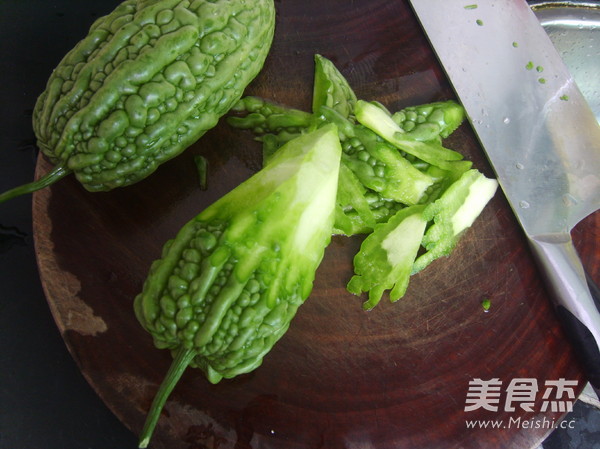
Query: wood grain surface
395, 377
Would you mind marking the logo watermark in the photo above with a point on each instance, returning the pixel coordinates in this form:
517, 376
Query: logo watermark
521, 394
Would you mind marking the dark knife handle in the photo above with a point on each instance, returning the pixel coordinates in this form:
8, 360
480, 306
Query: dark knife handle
589, 354
576, 299
594, 289
584, 345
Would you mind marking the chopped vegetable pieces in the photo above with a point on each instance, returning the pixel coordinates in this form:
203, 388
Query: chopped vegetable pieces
398, 184
386, 257
453, 213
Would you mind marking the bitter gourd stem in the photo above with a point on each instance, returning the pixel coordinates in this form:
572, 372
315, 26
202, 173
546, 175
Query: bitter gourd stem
58, 172
180, 363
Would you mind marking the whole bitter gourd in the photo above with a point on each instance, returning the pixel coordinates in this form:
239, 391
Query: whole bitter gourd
148, 80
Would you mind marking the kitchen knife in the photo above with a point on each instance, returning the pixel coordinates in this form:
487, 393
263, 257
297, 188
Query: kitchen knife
538, 132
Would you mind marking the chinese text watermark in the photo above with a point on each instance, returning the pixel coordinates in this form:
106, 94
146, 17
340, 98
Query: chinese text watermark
521, 394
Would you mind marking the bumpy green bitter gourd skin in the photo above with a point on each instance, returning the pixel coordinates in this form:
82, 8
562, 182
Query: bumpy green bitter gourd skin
145, 83
228, 285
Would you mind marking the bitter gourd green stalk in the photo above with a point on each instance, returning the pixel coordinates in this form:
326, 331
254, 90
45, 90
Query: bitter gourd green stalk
228, 285
148, 80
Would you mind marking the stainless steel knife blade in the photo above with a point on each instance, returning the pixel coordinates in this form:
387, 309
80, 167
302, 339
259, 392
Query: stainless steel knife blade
538, 132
